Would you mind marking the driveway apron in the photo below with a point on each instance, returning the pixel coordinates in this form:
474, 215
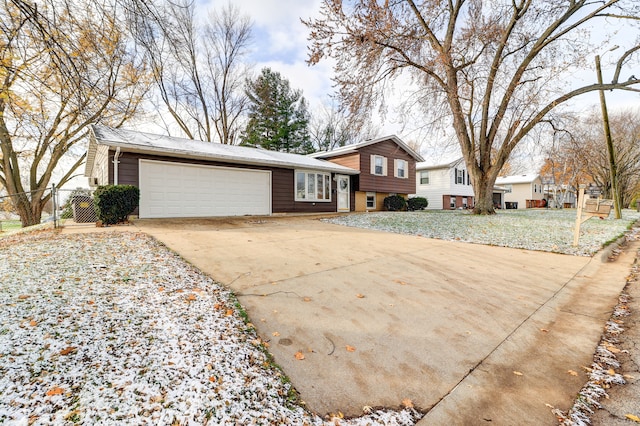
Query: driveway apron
468, 333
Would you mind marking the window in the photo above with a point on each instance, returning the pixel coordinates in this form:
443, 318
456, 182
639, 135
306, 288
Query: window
452, 202
401, 167
509, 188
459, 176
371, 200
378, 165
424, 178
464, 202
313, 186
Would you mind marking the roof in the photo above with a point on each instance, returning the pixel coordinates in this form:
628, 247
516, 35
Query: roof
148, 143
430, 166
349, 149
508, 180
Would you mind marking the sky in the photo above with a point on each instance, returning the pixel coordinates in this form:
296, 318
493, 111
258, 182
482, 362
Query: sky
280, 42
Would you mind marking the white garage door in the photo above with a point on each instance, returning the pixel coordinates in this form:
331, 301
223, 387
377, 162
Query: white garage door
187, 190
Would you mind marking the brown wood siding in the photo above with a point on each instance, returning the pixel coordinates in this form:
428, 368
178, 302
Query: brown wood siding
282, 181
348, 160
389, 183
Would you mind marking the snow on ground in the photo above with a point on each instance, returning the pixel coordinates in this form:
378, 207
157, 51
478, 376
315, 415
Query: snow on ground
114, 328
539, 229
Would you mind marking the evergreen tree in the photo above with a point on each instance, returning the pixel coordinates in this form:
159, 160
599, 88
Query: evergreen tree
278, 115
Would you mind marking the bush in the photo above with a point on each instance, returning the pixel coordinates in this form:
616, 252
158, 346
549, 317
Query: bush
417, 203
115, 202
394, 203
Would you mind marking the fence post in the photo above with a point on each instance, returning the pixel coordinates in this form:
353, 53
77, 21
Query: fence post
55, 205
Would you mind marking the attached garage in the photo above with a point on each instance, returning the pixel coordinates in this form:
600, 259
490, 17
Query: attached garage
170, 189
186, 178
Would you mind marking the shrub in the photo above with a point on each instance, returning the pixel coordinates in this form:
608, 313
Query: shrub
417, 203
394, 203
115, 202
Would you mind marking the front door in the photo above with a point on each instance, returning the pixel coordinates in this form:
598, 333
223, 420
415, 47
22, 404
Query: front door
343, 193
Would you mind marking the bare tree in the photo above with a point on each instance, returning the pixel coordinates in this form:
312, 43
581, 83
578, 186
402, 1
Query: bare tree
496, 67
198, 68
331, 128
579, 155
63, 66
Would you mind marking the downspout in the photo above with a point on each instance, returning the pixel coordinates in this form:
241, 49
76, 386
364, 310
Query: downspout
115, 166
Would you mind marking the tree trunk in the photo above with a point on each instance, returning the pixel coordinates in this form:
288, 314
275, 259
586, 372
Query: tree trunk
483, 189
30, 213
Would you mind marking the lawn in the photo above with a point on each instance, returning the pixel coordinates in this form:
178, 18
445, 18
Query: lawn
533, 229
9, 225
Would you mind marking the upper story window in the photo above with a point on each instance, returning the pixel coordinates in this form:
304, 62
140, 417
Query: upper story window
313, 186
401, 168
378, 165
424, 177
459, 176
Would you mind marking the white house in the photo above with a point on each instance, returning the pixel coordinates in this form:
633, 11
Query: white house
445, 186
523, 191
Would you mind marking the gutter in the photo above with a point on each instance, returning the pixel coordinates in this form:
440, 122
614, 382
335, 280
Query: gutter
115, 165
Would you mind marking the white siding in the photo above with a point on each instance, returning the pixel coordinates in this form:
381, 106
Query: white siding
442, 182
521, 192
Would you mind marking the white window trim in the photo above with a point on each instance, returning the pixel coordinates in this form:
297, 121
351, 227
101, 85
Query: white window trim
420, 177
396, 168
373, 165
370, 194
313, 198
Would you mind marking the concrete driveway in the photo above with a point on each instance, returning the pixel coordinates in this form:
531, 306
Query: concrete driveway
469, 333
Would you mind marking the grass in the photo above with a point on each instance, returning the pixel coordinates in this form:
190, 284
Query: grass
533, 229
10, 225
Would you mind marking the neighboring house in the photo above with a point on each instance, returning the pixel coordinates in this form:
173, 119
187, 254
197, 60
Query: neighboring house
560, 196
387, 166
186, 178
445, 186
523, 191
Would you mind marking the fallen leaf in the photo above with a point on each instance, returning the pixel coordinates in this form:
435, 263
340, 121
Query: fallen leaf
611, 372
549, 406
55, 391
306, 299
573, 373
275, 333
299, 356
160, 288
33, 323
407, 403
400, 282
213, 379
360, 296
91, 302
517, 373
229, 312
68, 350
633, 417
23, 296
544, 330
350, 349
613, 349
191, 297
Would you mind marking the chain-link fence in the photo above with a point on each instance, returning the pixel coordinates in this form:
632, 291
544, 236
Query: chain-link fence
75, 207
10, 206
63, 207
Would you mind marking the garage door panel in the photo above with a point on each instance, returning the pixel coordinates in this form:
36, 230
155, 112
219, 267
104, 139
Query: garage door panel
184, 190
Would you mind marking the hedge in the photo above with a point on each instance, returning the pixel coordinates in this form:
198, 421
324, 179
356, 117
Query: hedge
115, 202
395, 203
417, 203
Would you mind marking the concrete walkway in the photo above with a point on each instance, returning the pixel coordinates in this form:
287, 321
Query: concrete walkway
469, 333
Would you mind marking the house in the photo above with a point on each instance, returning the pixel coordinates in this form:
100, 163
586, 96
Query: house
445, 186
523, 191
186, 178
560, 196
387, 166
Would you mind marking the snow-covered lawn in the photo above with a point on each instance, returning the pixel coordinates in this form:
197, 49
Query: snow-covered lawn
534, 229
114, 328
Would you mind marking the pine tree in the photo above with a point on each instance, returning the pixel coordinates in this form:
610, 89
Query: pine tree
278, 115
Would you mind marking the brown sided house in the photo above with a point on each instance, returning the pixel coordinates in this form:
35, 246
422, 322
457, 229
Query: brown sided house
387, 166
186, 178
